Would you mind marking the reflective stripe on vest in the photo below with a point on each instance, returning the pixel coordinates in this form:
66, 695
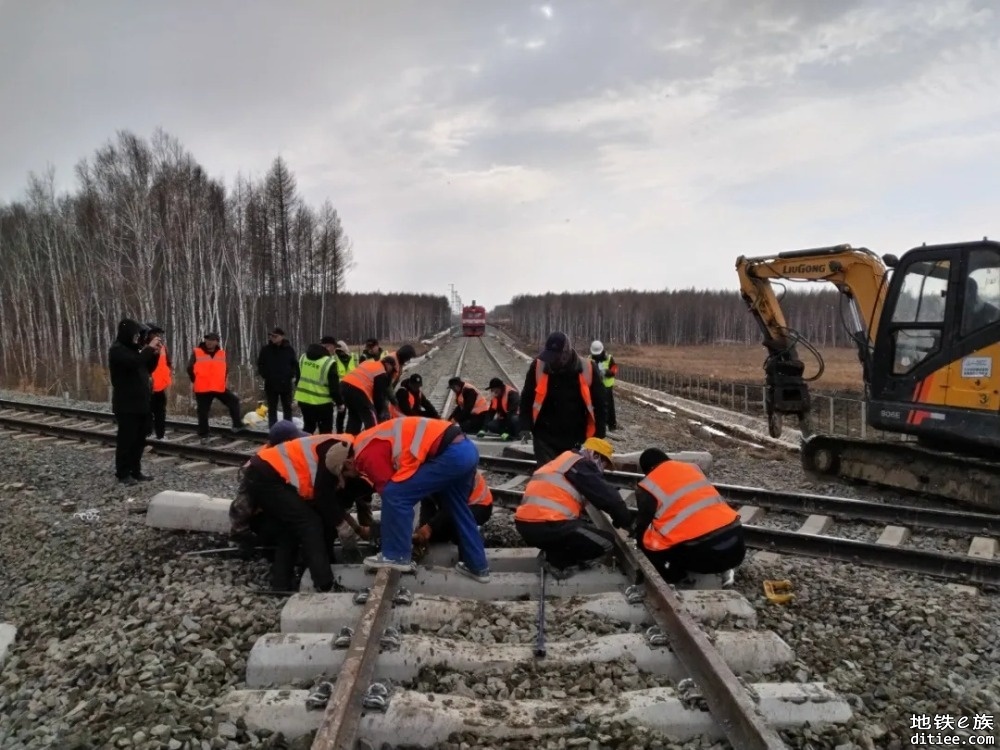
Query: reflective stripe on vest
481, 494
162, 377
549, 496
500, 405
542, 385
363, 377
314, 386
343, 369
687, 505
209, 371
296, 461
411, 439
605, 368
477, 408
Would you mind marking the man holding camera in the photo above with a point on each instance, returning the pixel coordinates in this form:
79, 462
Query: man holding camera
131, 360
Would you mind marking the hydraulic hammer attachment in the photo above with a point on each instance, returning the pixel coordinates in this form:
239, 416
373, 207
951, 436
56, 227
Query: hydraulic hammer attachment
786, 392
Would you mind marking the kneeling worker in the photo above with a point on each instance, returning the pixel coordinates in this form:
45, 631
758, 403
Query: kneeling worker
405, 460
295, 483
436, 524
683, 523
550, 515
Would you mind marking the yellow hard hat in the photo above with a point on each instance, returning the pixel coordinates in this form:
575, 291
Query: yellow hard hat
603, 447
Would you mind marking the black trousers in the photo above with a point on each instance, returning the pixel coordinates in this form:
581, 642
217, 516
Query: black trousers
435, 514
158, 415
204, 402
341, 418
716, 554
548, 445
295, 524
273, 396
473, 423
130, 442
506, 425
317, 416
566, 543
360, 410
609, 398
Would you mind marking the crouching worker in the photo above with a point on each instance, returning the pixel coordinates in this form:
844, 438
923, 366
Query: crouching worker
683, 524
405, 460
551, 515
295, 485
436, 524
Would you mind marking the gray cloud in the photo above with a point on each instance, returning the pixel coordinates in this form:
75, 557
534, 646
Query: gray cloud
532, 136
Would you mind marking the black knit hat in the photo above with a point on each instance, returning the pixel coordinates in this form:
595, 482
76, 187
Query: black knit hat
650, 458
496, 383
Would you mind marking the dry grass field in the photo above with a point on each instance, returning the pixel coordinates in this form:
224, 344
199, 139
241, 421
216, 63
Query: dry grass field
742, 364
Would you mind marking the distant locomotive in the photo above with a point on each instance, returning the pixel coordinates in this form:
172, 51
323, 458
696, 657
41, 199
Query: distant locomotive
473, 320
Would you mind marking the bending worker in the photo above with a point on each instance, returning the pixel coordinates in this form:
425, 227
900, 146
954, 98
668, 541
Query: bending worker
365, 390
411, 401
470, 406
405, 460
502, 414
683, 524
436, 523
550, 515
295, 483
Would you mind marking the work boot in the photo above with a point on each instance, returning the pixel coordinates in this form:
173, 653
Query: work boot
139, 476
483, 576
481, 434
375, 562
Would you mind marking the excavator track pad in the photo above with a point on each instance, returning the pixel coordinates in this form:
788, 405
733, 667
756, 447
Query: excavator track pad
905, 466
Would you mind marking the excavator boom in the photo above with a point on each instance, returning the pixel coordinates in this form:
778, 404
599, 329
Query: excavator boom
927, 339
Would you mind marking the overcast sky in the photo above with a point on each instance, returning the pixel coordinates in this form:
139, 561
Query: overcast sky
514, 147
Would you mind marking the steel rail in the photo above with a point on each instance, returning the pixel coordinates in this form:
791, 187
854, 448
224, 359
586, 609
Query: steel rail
496, 361
342, 717
737, 714
936, 519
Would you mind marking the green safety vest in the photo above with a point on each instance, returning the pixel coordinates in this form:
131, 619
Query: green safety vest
607, 378
313, 386
343, 369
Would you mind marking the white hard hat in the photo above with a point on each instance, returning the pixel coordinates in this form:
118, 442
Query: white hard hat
596, 347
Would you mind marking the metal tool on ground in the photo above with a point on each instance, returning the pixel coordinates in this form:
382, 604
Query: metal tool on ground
540, 637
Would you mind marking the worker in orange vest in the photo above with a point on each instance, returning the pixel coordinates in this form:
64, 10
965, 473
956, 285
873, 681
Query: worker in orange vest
470, 406
501, 417
551, 514
683, 524
562, 401
295, 484
406, 460
162, 378
436, 524
411, 401
207, 370
365, 393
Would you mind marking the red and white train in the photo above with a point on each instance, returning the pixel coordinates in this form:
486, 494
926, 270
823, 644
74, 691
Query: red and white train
473, 320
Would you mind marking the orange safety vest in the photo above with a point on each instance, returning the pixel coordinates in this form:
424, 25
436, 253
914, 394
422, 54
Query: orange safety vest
411, 401
687, 505
477, 408
162, 377
411, 437
481, 494
363, 376
549, 496
498, 404
298, 460
542, 385
209, 371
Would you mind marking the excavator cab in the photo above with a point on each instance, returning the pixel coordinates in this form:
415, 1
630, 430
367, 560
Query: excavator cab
933, 371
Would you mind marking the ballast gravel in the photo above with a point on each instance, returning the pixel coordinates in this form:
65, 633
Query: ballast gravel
125, 642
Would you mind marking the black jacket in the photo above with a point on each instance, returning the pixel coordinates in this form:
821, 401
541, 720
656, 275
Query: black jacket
278, 365
422, 407
563, 411
505, 406
130, 366
589, 482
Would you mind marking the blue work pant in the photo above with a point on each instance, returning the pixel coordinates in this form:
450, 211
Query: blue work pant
450, 474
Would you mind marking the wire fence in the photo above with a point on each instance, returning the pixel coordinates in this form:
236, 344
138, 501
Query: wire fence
831, 414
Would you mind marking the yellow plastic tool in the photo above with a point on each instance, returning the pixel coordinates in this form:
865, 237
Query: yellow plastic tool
779, 592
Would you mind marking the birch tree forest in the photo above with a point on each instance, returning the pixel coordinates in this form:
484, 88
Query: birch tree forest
675, 318
148, 234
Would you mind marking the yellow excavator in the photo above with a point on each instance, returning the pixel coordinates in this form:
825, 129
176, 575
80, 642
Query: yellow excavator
927, 329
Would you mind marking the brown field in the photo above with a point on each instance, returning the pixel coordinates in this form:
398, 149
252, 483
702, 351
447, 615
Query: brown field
739, 363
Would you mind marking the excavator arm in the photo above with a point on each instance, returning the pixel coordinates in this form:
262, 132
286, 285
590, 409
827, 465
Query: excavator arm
858, 273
